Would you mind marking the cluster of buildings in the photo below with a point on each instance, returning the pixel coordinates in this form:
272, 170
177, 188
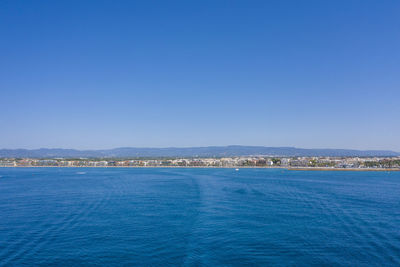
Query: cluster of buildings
257, 161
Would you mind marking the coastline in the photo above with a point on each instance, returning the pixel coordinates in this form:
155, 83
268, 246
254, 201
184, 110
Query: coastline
224, 167
344, 169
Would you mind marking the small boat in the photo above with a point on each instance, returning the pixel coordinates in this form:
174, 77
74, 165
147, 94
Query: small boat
236, 169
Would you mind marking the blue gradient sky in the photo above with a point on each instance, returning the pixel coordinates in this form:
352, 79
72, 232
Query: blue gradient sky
103, 74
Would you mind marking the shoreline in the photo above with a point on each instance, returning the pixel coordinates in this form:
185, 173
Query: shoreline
345, 169
224, 167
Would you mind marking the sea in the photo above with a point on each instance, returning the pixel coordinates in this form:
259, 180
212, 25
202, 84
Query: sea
198, 217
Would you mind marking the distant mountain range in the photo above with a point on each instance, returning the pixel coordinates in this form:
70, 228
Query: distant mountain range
211, 151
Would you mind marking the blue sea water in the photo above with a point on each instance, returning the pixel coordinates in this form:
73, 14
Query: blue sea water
198, 217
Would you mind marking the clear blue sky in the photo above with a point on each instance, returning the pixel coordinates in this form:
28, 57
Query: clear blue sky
103, 74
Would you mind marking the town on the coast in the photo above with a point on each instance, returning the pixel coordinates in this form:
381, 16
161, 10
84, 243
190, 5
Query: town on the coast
361, 163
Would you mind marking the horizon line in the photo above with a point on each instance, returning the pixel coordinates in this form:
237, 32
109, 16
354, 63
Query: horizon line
188, 147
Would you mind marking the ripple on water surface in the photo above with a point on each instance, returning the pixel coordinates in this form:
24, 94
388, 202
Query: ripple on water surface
119, 216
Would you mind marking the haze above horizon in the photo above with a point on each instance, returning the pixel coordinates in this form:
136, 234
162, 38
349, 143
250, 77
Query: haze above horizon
195, 147
105, 74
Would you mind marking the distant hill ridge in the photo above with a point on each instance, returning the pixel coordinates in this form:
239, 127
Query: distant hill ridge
210, 151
